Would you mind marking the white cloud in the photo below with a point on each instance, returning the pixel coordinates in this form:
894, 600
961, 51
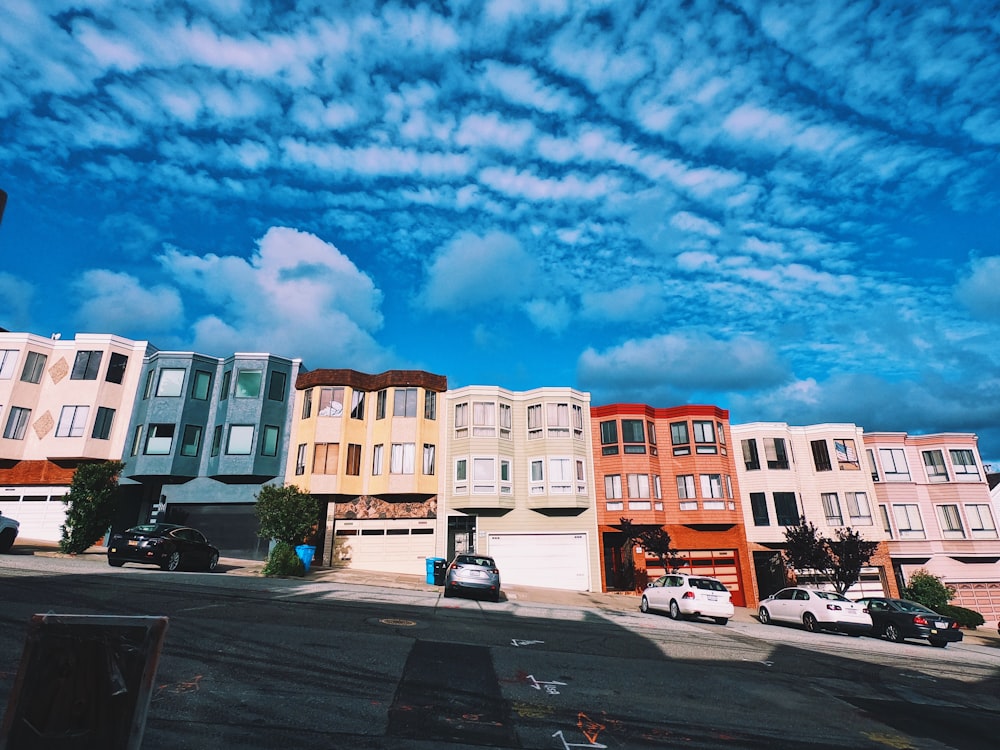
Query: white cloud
119, 302
978, 289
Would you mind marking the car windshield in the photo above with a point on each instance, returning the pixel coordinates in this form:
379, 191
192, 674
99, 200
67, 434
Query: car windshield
707, 584
908, 606
146, 528
832, 595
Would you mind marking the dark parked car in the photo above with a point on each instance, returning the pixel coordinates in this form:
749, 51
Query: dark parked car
473, 573
168, 545
898, 619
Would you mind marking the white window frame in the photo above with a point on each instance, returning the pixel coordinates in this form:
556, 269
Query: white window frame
535, 425
8, 363
506, 420
908, 521
686, 487
484, 418
72, 421
378, 459
484, 475
402, 457
638, 486
577, 421
858, 508
430, 452
536, 467
711, 485
894, 465
831, 509
950, 520
557, 419
462, 419
965, 470
981, 522
934, 465
561, 475
506, 485
612, 486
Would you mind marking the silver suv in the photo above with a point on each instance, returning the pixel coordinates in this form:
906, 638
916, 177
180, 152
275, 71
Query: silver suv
473, 573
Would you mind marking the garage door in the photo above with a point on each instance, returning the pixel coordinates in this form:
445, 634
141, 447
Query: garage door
388, 547
553, 561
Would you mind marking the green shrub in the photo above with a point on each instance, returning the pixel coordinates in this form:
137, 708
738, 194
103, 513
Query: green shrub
928, 589
967, 618
284, 562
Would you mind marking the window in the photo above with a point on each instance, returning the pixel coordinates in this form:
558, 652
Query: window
159, 439
8, 361
354, 459
883, 511
380, 400
657, 490
378, 457
758, 506
300, 460
505, 486
847, 455
951, 522
964, 463
704, 433
872, 466
711, 485
170, 383
430, 405
936, 471
609, 438
537, 476
461, 420
429, 454
858, 508
750, 458
357, 405
276, 386
821, 455
484, 475
505, 421
217, 440
535, 421
227, 378
72, 421
86, 366
561, 476
831, 508
633, 435
248, 383
894, 464
981, 522
685, 487
651, 431
404, 403
638, 485
191, 440
786, 509
679, 438
613, 486
102, 423
326, 458
17, 421
148, 388
240, 441
461, 470
136, 439
558, 419
331, 402
34, 365
401, 457
578, 421
774, 452
908, 520
201, 385
116, 368
307, 403
484, 418
269, 440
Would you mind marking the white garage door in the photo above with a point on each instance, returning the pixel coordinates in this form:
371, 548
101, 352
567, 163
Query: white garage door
393, 549
552, 561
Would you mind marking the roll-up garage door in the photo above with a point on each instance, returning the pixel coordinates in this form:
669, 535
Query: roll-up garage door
554, 561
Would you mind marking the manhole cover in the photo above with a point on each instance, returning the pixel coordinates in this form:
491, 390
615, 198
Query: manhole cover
397, 621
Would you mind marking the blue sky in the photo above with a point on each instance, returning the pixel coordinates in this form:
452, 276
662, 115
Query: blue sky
791, 210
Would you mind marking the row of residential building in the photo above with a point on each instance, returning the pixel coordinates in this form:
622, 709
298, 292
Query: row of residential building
406, 468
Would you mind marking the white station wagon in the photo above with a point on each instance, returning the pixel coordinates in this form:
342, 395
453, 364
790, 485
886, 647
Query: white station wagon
682, 595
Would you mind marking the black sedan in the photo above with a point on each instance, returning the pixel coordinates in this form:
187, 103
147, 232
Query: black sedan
898, 619
168, 545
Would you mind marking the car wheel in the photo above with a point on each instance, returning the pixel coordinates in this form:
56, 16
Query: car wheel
173, 562
644, 605
938, 644
213, 561
764, 616
6, 540
810, 621
115, 563
448, 593
496, 597
675, 611
721, 620
892, 633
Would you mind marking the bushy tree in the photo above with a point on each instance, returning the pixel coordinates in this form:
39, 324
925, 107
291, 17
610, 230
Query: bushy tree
927, 589
657, 541
286, 514
839, 561
283, 561
91, 503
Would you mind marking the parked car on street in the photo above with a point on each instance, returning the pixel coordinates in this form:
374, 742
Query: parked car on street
815, 610
8, 532
681, 595
899, 619
168, 545
475, 574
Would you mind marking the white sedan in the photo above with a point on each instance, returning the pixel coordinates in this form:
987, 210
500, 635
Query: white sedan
815, 610
683, 595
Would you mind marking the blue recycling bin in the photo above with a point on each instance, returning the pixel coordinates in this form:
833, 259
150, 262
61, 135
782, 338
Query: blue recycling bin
431, 567
305, 553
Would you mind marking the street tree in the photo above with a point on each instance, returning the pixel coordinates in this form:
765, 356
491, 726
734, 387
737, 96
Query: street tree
927, 589
90, 505
287, 515
838, 560
657, 541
